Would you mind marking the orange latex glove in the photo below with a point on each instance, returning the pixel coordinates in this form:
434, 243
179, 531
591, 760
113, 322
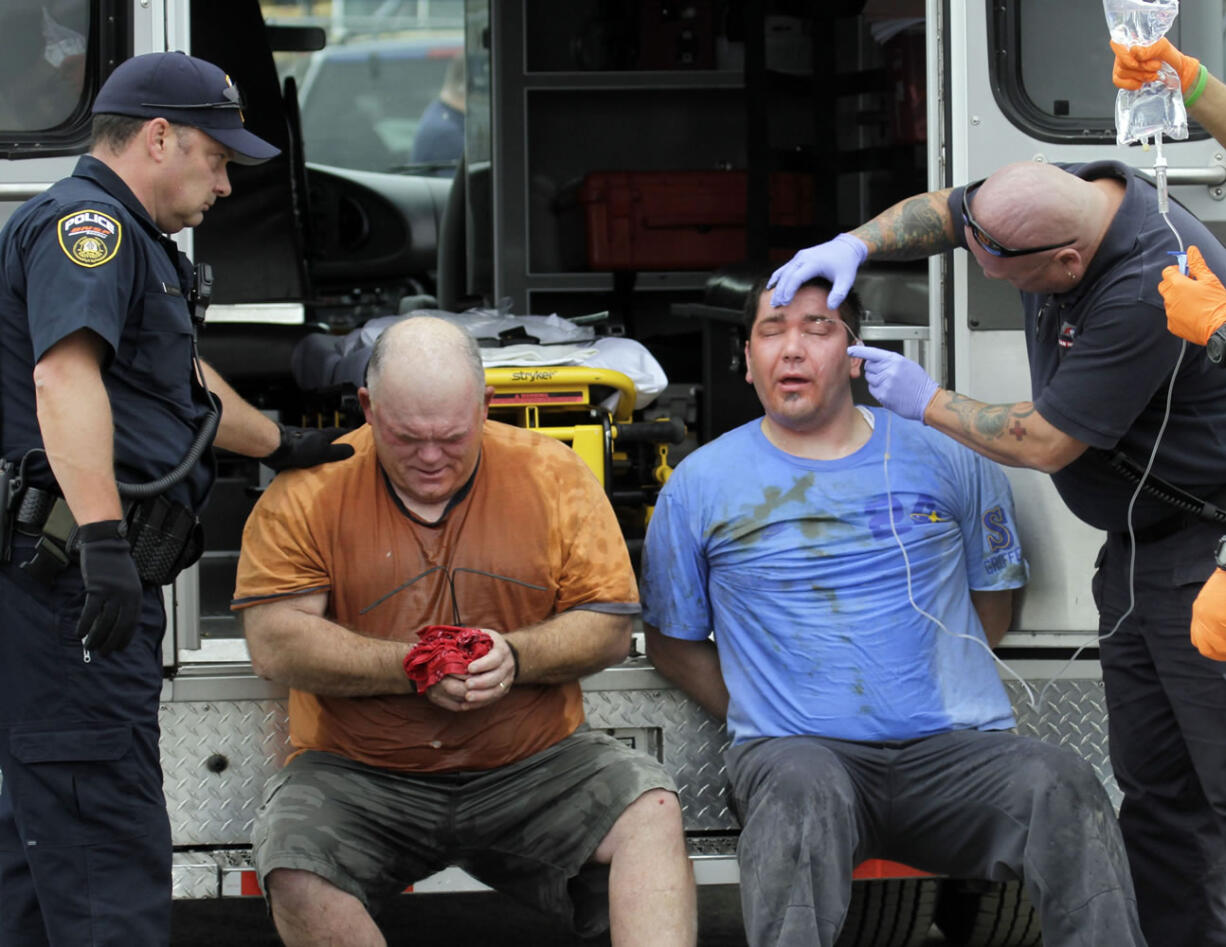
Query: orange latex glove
1137, 65
1209, 617
1196, 303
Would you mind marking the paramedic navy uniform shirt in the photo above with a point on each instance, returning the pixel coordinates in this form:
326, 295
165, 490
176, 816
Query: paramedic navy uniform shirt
86, 255
1101, 359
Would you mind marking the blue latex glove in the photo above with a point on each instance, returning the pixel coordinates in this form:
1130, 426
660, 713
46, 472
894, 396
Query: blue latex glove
836, 259
898, 383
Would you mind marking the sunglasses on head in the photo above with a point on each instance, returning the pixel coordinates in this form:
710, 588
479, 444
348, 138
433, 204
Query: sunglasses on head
192, 108
990, 243
231, 99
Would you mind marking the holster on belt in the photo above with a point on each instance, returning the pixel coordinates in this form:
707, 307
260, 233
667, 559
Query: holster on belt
165, 536
47, 516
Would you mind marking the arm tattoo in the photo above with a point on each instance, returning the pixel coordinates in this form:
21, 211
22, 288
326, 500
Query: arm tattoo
916, 227
990, 421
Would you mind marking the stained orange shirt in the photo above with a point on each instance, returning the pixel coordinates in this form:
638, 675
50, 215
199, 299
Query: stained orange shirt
534, 536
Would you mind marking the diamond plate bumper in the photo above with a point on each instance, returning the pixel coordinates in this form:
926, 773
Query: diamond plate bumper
216, 755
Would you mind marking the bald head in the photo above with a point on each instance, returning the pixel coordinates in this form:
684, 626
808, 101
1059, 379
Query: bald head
1031, 204
426, 401
424, 359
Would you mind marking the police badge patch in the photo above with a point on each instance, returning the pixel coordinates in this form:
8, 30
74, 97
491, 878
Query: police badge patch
89, 237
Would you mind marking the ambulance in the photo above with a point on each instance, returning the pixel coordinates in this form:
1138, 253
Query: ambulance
620, 161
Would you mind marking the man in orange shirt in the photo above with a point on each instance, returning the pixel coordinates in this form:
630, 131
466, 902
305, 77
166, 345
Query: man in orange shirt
444, 517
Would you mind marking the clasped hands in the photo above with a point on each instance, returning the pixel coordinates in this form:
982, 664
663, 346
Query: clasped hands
488, 679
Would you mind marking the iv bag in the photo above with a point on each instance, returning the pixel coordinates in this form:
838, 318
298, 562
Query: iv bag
1157, 107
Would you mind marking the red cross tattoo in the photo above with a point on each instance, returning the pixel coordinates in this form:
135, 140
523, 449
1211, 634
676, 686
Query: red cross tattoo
1017, 430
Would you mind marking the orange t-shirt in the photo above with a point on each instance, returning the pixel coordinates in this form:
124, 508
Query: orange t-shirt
534, 536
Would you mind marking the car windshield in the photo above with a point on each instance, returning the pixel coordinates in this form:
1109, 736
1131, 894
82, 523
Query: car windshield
387, 92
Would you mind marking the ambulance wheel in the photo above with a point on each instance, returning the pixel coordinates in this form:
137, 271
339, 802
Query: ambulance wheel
987, 914
891, 913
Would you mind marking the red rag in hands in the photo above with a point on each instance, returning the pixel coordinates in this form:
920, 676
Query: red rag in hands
443, 650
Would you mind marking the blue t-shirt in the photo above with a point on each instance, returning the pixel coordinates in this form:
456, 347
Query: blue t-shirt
795, 567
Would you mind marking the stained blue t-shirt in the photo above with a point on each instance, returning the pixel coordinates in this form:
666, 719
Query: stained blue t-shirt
794, 565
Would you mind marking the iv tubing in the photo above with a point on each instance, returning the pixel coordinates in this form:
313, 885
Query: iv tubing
1164, 201
889, 503
1132, 541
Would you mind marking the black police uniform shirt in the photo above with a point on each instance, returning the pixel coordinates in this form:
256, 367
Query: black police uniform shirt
86, 255
1101, 360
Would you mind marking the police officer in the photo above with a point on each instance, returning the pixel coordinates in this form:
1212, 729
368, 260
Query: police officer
106, 417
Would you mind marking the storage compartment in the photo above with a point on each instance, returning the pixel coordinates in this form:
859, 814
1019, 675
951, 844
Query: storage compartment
680, 220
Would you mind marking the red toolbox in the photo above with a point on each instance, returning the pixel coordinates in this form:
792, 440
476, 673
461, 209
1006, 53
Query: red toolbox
680, 220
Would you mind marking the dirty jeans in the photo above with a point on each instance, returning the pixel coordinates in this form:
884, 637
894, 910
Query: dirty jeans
969, 804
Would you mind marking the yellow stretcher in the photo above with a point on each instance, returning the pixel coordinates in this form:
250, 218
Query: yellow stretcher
563, 402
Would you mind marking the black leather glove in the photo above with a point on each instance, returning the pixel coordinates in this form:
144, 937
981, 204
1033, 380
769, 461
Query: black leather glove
307, 447
113, 589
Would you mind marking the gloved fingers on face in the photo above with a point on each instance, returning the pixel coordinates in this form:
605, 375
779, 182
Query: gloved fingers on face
784, 290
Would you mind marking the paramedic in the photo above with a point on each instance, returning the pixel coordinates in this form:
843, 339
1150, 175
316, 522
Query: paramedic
1085, 245
1196, 303
860, 727
98, 386
445, 517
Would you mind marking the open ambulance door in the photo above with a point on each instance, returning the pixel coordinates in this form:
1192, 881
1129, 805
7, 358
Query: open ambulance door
1030, 80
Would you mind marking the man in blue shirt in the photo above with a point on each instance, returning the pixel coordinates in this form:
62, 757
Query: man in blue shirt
854, 568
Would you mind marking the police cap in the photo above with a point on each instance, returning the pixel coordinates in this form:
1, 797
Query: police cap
186, 91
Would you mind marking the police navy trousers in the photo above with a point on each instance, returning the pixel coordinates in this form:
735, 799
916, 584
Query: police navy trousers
1167, 718
85, 846
968, 804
